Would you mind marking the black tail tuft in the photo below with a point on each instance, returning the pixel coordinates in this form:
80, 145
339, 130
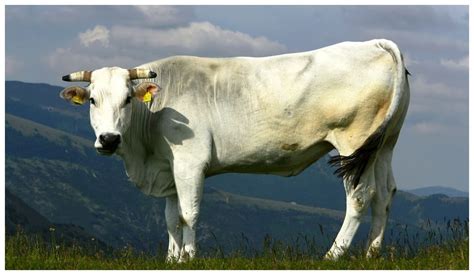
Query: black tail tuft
351, 167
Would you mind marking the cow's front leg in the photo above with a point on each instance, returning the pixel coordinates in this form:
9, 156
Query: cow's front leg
189, 185
174, 226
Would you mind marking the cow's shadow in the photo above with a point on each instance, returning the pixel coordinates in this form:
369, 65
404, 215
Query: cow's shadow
173, 125
170, 127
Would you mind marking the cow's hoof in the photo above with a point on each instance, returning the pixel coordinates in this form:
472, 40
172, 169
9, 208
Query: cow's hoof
330, 256
171, 259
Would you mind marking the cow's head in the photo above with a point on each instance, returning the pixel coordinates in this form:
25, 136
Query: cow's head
110, 93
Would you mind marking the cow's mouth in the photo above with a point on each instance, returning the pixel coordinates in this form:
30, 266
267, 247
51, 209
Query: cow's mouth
106, 151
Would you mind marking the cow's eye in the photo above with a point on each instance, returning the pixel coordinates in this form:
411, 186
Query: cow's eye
92, 101
128, 100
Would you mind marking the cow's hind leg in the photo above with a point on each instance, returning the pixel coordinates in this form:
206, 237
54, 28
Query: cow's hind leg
385, 189
358, 200
174, 226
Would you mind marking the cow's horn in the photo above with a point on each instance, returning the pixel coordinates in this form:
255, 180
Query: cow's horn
138, 73
78, 76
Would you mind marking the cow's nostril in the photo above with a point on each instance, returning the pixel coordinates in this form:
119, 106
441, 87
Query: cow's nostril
109, 139
114, 139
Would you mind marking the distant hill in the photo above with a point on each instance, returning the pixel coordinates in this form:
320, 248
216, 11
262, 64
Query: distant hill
316, 186
431, 190
41, 103
19, 216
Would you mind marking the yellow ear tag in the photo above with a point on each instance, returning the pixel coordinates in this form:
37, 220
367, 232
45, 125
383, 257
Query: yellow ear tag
77, 99
147, 97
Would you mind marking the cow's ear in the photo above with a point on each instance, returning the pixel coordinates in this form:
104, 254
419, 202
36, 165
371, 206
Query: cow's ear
145, 91
75, 95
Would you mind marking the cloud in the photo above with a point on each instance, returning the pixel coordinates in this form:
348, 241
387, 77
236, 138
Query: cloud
436, 107
429, 128
99, 34
410, 61
160, 16
435, 100
141, 45
460, 64
433, 88
131, 46
12, 65
201, 38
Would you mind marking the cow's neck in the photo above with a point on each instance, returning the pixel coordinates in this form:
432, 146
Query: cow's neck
135, 148
150, 173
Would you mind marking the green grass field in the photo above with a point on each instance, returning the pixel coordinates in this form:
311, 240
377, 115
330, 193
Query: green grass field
26, 252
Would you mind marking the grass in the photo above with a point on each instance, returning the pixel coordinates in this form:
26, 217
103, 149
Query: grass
31, 252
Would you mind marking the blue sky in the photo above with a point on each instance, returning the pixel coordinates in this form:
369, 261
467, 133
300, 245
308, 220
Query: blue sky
45, 42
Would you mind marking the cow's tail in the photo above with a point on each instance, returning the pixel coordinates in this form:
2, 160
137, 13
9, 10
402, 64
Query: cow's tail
351, 167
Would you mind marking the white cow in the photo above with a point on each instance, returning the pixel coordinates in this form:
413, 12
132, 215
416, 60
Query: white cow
272, 115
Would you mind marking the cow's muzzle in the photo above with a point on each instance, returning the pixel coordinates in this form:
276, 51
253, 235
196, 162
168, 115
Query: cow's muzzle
109, 142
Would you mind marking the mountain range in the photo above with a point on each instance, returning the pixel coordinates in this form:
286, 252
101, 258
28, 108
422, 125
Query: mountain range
431, 190
53, 169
